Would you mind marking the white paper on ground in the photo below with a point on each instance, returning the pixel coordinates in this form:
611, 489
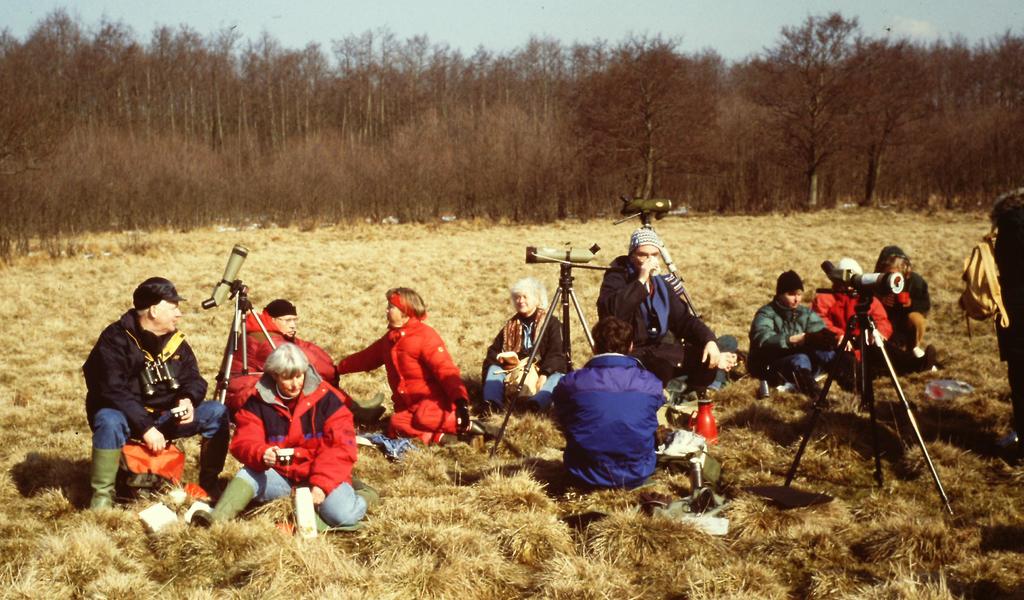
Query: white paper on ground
157, 517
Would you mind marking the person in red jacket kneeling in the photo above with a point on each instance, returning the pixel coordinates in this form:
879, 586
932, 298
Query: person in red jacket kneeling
294, 431
280, 318
429, 397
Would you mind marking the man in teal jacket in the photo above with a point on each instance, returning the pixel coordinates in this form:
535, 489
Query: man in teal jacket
788, 341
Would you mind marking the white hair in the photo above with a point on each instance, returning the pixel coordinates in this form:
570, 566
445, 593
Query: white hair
531, 287
286, 360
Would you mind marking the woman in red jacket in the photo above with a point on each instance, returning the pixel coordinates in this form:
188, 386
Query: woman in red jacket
293, 431
429, 397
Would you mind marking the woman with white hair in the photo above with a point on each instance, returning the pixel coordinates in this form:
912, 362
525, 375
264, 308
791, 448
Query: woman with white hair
294, 431
519, 335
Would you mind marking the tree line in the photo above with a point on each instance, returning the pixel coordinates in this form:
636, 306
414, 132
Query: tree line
101, 130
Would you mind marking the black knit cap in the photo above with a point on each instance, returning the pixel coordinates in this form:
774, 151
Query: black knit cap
152, 291
280, 308
788, 282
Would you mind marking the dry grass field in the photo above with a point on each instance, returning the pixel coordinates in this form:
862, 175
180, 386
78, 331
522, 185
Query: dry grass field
454, 523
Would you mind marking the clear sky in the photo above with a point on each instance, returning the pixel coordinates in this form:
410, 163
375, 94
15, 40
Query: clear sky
735, 28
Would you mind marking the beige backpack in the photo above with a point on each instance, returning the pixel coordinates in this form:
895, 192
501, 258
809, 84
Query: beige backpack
981, 299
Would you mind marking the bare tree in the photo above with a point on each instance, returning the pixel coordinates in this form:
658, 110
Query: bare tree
890, 94
805, 81
647, 112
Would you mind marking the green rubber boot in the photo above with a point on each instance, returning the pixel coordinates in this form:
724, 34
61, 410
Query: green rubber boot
368, 494
104, 474
235, 498
323, 527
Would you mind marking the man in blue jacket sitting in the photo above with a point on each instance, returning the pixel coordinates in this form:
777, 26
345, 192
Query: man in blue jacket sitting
607, 412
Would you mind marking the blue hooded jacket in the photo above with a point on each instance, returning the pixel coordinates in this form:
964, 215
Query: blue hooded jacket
607, 411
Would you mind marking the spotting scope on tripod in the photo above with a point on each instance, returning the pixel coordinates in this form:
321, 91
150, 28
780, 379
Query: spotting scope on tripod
230, 287
861, 338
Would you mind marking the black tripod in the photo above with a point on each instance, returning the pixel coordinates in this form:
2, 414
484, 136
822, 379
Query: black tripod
865, 389
564, 295
237, 339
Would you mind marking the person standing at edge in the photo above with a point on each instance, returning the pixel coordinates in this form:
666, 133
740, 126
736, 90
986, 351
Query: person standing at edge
1008, 217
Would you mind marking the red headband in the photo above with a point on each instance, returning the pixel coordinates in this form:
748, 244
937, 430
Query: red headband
400, 304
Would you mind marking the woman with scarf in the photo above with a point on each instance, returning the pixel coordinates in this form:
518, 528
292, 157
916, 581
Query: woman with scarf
519, 335
430, 400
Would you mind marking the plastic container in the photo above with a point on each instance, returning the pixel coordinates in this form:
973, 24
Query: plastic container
305, 514
947, 389
703, 421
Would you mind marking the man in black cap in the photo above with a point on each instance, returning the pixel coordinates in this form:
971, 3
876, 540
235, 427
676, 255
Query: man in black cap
139, 370
788, 341
280, 318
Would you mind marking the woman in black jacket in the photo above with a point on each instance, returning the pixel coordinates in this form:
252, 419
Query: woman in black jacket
518, 335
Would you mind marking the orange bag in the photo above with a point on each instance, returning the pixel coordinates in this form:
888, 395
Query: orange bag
142, 470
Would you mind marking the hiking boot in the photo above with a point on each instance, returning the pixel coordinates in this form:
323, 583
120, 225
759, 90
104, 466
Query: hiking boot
104, 473
485, 429
368, 412
212, 454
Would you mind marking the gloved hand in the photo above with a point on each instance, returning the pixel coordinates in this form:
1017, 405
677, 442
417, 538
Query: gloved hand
461, 415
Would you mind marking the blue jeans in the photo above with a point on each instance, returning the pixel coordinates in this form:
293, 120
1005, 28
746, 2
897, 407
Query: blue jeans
341, 507
494, 389
110, 427
813, 360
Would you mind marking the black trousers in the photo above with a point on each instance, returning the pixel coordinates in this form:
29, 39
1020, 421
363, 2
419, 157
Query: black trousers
1015, 375
670, 360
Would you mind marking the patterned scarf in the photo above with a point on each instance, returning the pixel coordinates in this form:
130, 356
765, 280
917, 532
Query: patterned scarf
513, 338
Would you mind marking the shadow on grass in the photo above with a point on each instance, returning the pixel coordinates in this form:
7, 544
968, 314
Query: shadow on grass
1002, 538
853, 428
40, 472
959, 427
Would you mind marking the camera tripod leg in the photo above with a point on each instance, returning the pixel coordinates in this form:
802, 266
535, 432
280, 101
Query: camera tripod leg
224, 375
583, 320
237, 338
819, 404
526, 370
564, 295
867, 396
914, 426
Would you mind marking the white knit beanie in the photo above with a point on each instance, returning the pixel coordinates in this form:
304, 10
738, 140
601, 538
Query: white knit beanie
644, 236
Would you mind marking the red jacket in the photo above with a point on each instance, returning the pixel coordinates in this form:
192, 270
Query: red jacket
837, 309
318, 426
258, 349
423, 377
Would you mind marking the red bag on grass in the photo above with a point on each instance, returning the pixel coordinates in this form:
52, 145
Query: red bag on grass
141, 470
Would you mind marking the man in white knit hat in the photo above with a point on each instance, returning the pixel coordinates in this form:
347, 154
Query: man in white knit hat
668, 338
